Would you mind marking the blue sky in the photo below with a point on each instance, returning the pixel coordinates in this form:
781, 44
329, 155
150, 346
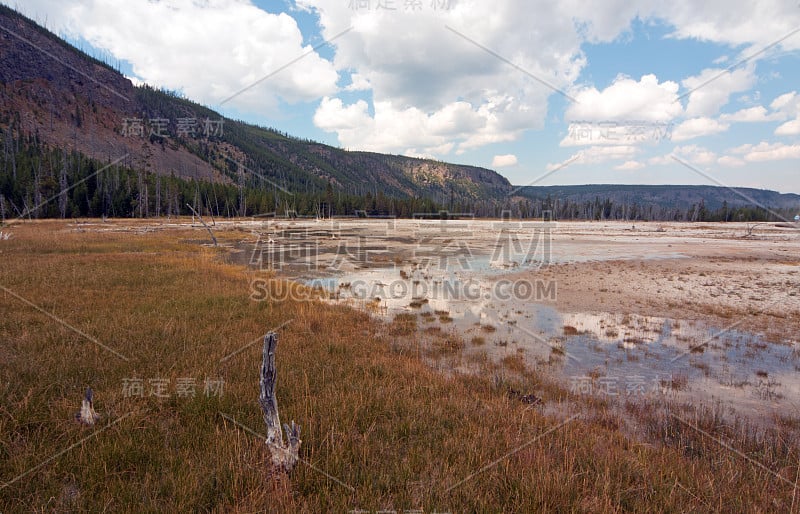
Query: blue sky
575, 92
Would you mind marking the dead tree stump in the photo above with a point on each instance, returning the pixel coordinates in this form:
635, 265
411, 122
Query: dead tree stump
284, 455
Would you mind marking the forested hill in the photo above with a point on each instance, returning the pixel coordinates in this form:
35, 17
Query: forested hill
661, 202
54, 97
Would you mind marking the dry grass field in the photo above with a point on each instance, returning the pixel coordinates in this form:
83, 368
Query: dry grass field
383, 428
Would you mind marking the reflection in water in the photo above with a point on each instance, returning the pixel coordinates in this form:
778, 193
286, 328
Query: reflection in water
454, 277
598, 353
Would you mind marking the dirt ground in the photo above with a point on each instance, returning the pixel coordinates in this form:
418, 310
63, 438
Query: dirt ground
723, 276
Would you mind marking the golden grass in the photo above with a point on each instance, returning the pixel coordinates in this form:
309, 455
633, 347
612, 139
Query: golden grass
375, 416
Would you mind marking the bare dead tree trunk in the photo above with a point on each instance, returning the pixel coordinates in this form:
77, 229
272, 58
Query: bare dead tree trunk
284, 455
140, 187
37, 190
750, 228
242, 200
158, 196
213, 238
62, 185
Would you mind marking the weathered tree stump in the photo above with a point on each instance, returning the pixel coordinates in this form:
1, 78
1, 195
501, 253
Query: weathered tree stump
284, 455
87, 414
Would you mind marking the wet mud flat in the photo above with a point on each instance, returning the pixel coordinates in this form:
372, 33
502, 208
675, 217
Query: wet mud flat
699, 313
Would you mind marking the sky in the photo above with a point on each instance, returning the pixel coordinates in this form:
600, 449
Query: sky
545, 93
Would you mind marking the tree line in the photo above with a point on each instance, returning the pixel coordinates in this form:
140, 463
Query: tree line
601, 208
40, 181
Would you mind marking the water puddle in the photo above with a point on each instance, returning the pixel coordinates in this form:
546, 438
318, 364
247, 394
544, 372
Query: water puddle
480, 281
614, 355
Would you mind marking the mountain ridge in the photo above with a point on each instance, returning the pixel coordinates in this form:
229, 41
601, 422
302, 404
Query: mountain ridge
665, 194
56, 96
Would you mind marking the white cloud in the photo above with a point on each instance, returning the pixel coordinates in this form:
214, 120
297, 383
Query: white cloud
768, 152
697, 127
790, 128
598, 154
626, 112
627, 100
208, 50
731, 162
742, 149
756, 114
690, 153
333, 115
629, 166
787, 103
711, 89
358, 82
502, 161
431, 84
695, 154
136, 81
660, 160
753, 98
391, 129
734, 22
615, 133
455, 126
